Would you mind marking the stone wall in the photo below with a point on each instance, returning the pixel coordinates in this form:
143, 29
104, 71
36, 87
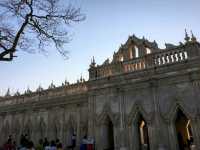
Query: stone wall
109, 108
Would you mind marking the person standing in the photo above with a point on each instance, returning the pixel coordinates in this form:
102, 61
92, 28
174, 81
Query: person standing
84, 143
73, 142
40, 145
53, 145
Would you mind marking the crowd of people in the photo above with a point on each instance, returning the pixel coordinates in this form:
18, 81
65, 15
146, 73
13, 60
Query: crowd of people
44, 144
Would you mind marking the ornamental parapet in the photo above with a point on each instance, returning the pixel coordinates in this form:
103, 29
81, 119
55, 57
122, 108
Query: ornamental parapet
39, 95
139, 54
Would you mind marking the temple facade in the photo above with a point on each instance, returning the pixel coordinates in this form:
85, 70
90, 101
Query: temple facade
145, 98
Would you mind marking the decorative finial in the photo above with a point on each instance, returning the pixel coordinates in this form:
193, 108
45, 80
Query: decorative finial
8, 93
81, 78
28, 91
39, 89
187, 38
194, 39
52, 86
93, 63
66, 82
17, 93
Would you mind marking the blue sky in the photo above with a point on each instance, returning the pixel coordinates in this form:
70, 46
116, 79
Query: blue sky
108, 24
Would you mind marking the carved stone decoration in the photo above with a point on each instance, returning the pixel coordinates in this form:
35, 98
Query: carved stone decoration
42, 128
158, 87
70, 128
106, 112
8, 93
138, 109
171, 114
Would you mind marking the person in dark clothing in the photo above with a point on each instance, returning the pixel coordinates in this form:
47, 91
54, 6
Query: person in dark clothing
45, 142
73, 142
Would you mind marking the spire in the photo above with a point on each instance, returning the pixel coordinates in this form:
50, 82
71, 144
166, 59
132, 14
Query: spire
8, 93
194, 39
82, 79
17, 93
52, 86
28, 91
39, 89
187, 38
93, 63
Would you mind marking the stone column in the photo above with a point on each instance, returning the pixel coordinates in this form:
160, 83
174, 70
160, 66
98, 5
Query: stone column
62, 109
172, 136
195, 130
134, 137
157, 126
91, 116
98, 137
122, 128
117, 138
78, 111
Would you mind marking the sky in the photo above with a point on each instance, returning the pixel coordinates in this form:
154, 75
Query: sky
108, 24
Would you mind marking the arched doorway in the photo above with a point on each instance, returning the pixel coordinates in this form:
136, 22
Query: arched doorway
108, 134
183, 131
143, 137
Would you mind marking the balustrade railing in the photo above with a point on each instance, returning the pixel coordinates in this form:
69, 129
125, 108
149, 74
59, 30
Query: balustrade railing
156, 59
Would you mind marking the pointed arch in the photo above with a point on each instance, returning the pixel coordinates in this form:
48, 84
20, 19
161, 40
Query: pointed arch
172, 113
179, 120
106, 112
107, 133
138, 123
135, 111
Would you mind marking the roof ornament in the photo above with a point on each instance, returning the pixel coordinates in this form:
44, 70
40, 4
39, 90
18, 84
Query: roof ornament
17, 93
52, 86
93, 63
82, 79
8, 93
66, 83
39, 89
194, 39
28, 91
187, 38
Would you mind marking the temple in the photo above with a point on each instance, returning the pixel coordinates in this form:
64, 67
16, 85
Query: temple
145, 98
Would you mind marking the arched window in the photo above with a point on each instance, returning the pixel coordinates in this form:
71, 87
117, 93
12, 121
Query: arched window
148, 50
143, 133
130, 54
121, 58
183, 131
136, 52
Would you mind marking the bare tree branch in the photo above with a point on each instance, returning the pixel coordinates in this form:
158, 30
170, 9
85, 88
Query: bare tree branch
41, 21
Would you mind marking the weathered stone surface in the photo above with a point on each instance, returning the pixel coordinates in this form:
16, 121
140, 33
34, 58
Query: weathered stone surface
154, 86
